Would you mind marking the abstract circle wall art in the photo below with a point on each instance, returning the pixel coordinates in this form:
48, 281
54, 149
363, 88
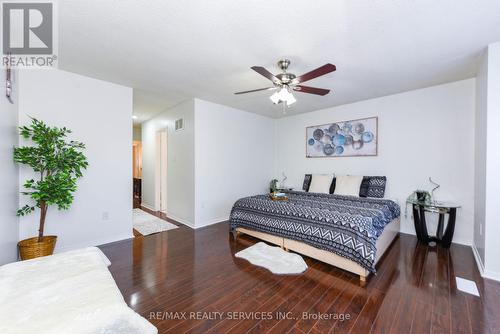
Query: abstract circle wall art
343, 139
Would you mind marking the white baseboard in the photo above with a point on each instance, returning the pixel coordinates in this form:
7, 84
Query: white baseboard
171, 216
456, 240
180, 220
480, 266
491, 275
197, 226
98, 242
147, 206
479, 261
211, 222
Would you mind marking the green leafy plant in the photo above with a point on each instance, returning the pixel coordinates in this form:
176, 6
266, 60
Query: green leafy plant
57, 161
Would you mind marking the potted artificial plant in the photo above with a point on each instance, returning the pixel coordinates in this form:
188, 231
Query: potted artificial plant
58, 163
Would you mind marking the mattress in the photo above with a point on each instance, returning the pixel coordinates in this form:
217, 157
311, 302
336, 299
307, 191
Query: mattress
348, 226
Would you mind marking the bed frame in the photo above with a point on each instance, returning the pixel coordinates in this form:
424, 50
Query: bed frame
384, 241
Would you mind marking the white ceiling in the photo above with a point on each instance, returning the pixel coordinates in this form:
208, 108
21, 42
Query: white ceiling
173, 50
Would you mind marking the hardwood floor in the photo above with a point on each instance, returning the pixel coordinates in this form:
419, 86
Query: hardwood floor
168, 277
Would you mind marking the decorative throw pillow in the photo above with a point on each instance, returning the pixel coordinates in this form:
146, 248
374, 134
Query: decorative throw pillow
307, 182
348, 185
332, 187
320, 183
363, 190
376, 186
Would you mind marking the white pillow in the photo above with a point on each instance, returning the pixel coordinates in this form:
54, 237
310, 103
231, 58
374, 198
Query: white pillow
320, 183
348, 185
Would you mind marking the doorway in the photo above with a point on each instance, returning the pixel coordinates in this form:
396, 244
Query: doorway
137, 172
161, 171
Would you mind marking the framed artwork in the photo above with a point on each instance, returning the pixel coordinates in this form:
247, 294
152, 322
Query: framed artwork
343, 139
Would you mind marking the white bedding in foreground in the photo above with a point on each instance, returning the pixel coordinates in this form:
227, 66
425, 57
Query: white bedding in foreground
70, 292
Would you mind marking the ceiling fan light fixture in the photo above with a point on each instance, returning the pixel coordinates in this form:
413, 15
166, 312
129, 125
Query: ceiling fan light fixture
285, 82
284, 95
275, 98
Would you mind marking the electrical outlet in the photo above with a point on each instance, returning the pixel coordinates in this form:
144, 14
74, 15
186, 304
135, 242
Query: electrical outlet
105, 215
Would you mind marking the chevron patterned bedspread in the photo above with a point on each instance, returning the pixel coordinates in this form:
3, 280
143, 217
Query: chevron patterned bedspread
345, 225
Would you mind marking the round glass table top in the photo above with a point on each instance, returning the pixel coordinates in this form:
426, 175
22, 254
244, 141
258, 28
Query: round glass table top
433, 203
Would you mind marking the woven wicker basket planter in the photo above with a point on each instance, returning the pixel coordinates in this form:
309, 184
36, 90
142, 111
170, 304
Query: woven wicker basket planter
31, 248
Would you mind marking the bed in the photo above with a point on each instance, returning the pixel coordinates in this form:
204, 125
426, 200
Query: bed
348, 232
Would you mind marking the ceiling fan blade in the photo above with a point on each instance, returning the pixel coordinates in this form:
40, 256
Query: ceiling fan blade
311, 90
262, 71
255, 90
327, 68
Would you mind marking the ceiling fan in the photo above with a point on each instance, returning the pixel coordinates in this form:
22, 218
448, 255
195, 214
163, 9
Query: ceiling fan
286, 82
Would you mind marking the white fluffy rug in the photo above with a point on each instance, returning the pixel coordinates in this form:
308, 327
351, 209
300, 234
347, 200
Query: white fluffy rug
146, 223
274, 259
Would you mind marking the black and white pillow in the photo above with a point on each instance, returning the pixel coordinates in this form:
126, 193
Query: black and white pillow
332, 187
321, 183
307, 183
363, 189
373, 186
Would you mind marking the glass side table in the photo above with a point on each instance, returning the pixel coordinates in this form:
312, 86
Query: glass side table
442, 208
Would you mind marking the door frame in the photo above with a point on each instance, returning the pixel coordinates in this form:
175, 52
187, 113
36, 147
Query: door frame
161, 154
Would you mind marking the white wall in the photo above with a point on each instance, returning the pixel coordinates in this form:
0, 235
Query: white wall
180, 164
487, 164
480, 159
422, 133
100, 115
218, 146
233, 157
9, 224
492, 228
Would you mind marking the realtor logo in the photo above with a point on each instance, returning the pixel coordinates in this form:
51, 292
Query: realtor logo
29, 34
27, 28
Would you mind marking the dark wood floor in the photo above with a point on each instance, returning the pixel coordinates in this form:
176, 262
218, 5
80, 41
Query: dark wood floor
183, 270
